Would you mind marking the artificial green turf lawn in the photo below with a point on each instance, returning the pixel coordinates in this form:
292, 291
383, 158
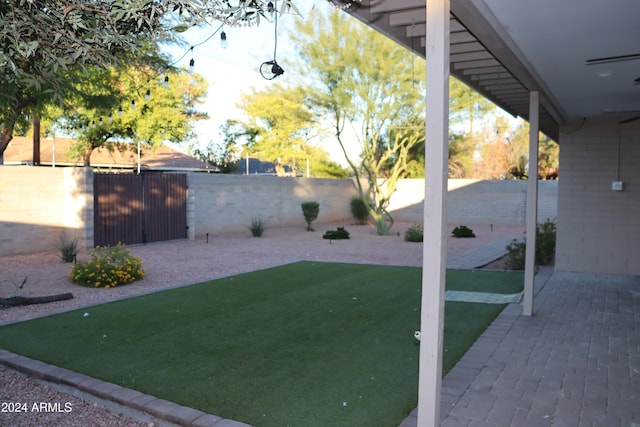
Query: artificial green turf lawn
306, 344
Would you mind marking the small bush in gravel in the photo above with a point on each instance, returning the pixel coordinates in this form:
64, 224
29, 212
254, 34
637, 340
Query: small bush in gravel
414, 233
257, 227
337, 234
68, 247
463, 231
359, 210
310, 210
108, 267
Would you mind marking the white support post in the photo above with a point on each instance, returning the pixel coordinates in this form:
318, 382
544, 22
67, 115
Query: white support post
532, 205
434, 246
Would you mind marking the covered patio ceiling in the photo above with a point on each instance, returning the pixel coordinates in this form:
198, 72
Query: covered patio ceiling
582, 56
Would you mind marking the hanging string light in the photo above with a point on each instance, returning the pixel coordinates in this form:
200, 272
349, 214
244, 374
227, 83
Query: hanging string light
270, 69
223, 40
192, 63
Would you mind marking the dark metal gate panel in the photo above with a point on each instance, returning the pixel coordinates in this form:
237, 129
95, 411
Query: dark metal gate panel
139, 208
165, 200
117, 209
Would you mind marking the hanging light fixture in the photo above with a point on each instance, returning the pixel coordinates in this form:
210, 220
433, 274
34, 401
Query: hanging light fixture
269, 70
192, 63
223, 40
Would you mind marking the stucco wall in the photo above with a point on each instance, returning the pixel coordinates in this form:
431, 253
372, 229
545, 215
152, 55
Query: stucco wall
477, 202
599, 229
38, 204
219, 203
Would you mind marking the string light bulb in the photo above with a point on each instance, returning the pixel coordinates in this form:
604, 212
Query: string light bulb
166, 81
192, 63
120, 111
223, 40
133, 104
147, 95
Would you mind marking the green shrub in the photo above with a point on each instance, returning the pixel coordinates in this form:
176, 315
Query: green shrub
545, 247
359, 210
68, 247
546, 242
338, 234
310, 210
257, 227
463, 231
516, 255
415, 233
108, 267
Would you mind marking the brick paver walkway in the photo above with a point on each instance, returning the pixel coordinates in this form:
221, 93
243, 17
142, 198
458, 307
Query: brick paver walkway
479, 257
576, 362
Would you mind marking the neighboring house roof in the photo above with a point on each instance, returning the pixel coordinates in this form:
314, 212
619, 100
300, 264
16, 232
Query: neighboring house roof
20, 151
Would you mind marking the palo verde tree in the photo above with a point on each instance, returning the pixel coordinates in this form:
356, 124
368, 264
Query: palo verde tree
359, 79
42, 42
116, 108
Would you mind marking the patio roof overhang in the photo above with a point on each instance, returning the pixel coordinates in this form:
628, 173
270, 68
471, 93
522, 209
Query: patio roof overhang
554, 61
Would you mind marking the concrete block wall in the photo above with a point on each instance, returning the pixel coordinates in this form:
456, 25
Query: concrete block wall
38, 204
477, 202
599, 229
220, 203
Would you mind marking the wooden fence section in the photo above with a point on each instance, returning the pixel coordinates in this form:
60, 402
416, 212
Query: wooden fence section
143, 208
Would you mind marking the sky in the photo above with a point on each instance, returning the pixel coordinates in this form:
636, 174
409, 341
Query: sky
235, 70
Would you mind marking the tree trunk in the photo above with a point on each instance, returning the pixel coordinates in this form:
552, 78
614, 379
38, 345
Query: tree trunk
86, 156
36, 140
15, 301
6, 135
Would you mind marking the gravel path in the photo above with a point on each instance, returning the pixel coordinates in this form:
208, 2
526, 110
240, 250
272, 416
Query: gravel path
179, 263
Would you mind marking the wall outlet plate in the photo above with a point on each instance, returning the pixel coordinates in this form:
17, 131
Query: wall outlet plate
616, 185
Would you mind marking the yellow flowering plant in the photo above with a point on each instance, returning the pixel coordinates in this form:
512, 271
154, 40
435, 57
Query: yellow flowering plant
108, 267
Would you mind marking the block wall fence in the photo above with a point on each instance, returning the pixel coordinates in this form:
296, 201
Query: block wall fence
38, 204
598, 228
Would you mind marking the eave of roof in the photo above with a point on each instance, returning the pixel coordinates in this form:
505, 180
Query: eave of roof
481, 55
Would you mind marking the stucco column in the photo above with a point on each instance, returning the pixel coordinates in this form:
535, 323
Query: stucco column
532, 205
434, 246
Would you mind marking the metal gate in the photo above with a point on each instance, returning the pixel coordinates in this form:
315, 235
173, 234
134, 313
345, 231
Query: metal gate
144, 208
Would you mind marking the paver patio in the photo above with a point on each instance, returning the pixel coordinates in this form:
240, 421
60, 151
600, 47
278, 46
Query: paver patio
576, 362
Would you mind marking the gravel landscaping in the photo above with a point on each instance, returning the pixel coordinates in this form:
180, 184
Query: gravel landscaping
179, 263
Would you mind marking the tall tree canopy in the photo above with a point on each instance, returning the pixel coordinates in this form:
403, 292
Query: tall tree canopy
113, 107
284, 126
43, 41
279, 128
358, 78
